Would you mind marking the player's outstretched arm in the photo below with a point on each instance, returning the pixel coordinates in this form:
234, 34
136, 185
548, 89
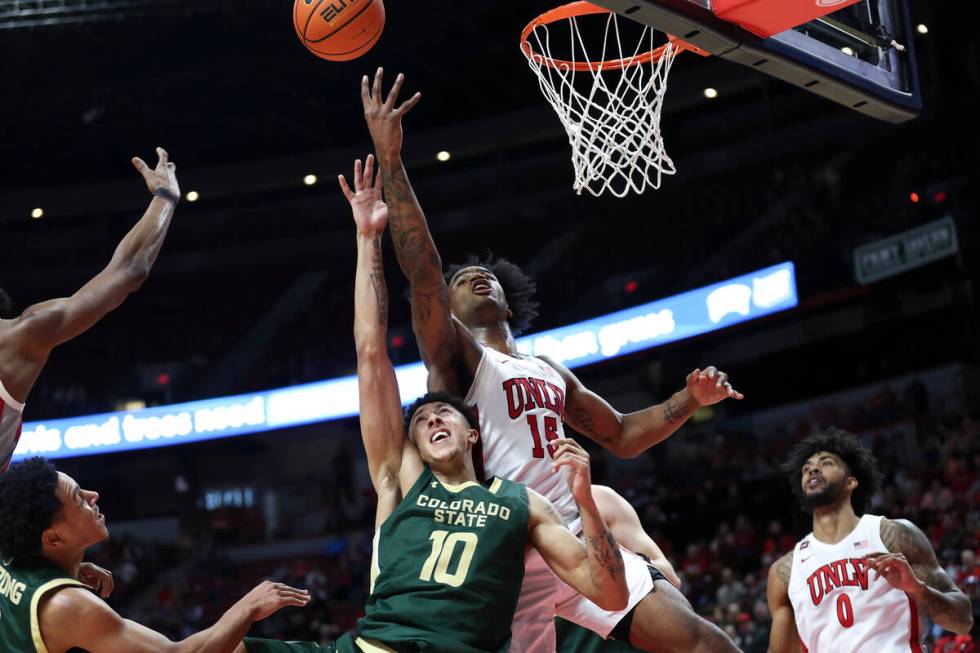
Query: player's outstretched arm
414, 247
625, 526
74, 618
629, 435
593, 567
379, 402
783, 637
912, 567
53, 322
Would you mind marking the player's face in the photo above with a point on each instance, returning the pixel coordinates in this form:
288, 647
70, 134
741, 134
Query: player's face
441, 432
80, 523
825, 479
476, 297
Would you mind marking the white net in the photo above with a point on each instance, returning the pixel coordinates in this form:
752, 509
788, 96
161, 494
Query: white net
611, 111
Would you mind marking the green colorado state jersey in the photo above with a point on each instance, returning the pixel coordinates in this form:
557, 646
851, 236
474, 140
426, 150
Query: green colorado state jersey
22, 586
448, 566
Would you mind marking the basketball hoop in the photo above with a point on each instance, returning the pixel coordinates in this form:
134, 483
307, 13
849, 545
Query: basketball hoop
609, 104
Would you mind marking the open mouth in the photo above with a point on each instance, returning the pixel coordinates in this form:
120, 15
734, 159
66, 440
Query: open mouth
438, 436
481, 287
814, 482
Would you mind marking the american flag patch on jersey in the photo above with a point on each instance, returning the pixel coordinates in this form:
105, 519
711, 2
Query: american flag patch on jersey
860, 544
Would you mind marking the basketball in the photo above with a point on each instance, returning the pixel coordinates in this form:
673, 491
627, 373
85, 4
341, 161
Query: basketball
338, 30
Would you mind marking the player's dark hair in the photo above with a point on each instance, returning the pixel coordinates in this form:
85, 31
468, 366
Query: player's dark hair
468, 411
6, 304
28, 505
518, 288
861, 464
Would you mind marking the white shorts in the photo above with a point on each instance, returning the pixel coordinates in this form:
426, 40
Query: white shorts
544, 596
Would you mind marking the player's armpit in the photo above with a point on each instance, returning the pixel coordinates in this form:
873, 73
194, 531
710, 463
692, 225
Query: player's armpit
783, 637
936, 594
75, 618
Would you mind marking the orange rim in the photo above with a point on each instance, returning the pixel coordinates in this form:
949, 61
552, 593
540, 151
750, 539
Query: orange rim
582, 8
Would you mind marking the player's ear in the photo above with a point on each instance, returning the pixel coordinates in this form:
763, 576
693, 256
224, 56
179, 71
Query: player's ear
52, 538
472, 436
851, 483
510, 313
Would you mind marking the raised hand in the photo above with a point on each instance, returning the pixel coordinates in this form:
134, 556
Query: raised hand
370, 210
710, 385
268, 598
569, 453
161, 180
97, 578
384, 120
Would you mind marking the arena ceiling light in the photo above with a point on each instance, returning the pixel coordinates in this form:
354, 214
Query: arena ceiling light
443, 155
193, 196
309, 180
37, 213
710, 93
921, 28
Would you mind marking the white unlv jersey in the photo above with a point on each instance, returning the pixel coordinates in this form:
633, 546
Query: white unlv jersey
11, 420
521, 402
840, 606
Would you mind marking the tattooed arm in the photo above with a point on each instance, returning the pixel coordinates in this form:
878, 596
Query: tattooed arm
912, 568
783, 637
594, 566
380, 406
414, 248
629, 435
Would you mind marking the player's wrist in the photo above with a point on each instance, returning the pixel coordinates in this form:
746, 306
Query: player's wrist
167, 194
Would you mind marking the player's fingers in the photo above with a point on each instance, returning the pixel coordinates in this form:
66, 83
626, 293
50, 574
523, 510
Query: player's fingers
365, 93
408, 104
140, 165
345, 189
721, 379
358, 175
162, 154
376, 88
368, 179
711, 371
393, 93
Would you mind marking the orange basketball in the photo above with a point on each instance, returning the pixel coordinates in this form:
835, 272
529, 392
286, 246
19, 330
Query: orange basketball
338, 30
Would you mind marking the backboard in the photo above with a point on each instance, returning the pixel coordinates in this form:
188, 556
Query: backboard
861, 56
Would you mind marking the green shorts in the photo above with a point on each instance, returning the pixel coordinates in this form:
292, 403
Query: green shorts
257, 645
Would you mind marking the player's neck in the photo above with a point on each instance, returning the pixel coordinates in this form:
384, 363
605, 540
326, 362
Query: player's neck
496, 336
69, 561
454, 473
831, 524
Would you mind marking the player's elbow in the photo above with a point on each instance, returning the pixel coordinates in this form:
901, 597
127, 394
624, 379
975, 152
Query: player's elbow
135, 274
964, 625
613, 601
370, 350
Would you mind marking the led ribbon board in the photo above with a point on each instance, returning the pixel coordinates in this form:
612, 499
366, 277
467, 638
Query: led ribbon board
682, 316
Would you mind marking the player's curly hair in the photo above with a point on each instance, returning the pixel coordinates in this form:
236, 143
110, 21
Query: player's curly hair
28, 505
468, 411
518, 287
6, 304
861, 464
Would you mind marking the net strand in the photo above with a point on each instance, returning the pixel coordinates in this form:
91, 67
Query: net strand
611, 114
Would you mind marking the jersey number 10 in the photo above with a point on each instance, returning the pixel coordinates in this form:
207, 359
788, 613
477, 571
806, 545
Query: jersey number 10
437, 564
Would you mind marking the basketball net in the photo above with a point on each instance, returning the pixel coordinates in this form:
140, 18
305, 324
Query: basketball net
609, 102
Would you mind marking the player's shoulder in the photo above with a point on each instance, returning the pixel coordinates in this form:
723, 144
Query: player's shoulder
782, 568
73, 605
540, 509
901, 535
